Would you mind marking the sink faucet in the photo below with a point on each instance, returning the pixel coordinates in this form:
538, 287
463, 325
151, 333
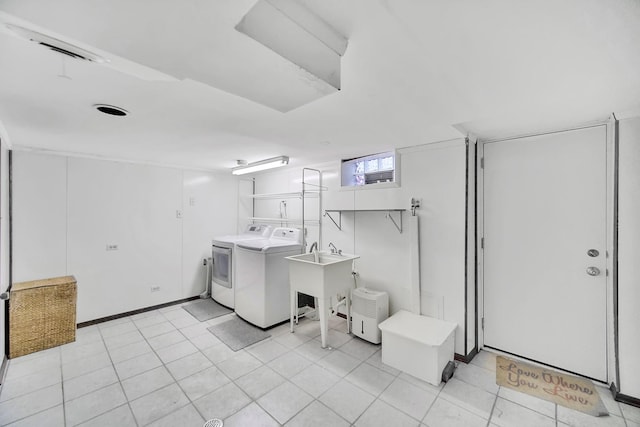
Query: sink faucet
314, 251
334, 250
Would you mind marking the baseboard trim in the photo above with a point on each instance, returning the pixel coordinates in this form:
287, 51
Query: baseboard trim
130, 313
619, 397
466, 359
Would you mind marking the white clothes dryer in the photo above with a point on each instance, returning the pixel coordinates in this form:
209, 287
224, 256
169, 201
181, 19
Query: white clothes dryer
223, 269
262, 277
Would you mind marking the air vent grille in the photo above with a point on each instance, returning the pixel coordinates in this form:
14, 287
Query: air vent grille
55, 44
63, 51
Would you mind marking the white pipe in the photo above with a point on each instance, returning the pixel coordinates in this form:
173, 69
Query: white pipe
414, 232
343, 301
207, 284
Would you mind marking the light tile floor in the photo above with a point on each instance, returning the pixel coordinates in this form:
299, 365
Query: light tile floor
163, 368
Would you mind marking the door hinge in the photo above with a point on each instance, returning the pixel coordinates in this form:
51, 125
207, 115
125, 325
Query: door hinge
482, 243
481, 162
483, 323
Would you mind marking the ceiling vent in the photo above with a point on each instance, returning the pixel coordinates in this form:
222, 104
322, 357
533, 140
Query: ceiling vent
56, 45
111, 110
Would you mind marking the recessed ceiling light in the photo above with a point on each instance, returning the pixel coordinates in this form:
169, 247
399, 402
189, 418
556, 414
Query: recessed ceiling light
111, 110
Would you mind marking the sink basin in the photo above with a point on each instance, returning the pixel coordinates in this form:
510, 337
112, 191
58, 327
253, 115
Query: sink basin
324, 279
329, 276
324, 258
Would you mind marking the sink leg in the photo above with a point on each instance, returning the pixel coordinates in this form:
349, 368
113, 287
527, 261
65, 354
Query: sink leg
322, 312
293, 296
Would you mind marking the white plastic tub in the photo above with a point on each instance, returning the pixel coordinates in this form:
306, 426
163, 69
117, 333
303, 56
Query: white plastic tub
418, 345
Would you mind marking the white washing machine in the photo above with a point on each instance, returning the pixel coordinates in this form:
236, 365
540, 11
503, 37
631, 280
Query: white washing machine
262, 277
223, 269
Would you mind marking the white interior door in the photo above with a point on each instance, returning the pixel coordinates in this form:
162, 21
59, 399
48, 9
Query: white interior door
545, 249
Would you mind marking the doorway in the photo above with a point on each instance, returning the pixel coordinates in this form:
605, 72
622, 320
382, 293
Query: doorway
545, 249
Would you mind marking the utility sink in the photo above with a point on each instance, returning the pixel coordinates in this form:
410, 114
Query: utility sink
324, 258
324, 279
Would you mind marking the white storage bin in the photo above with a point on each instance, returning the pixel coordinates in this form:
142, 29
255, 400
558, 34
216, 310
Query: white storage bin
418, 345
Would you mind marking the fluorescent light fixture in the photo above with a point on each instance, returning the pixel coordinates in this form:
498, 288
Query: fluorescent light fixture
261, 165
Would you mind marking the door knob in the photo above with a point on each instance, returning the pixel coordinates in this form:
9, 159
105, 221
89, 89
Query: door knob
593, 253
593, 271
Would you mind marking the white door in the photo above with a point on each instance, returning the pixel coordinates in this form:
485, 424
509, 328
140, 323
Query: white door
544, 249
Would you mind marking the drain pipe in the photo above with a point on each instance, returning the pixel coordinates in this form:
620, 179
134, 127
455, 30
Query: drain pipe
414, 226
208, 265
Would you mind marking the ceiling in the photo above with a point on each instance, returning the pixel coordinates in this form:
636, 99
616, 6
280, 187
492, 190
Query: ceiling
413, 72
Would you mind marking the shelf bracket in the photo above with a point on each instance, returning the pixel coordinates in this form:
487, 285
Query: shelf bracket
337, 224
399, 227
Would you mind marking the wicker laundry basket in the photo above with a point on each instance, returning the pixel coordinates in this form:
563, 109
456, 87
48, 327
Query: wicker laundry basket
42, 314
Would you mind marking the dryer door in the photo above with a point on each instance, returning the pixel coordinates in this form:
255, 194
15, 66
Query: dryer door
221, 266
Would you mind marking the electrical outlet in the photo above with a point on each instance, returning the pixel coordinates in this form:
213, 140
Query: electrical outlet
112, 247
155, 289
179, 214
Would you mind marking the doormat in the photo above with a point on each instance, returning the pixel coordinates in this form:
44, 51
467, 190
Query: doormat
238, 334
567, 390
206, 309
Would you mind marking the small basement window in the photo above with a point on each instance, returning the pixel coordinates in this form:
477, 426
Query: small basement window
372, 169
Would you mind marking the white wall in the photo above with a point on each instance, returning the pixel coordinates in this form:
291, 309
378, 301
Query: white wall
67, 210
131, 206
434, 173
210, 209
628, 255
39, 219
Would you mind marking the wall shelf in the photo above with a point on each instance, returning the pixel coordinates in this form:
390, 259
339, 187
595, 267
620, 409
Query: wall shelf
287, 221
388, 215
294, 195
309, 191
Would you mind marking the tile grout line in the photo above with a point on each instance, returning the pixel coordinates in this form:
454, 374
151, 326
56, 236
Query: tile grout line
289, 381
345, 378
61, 363
285, 378
493, 407
128, 402
231, 381
64, 406
35, 413
113, 366
153, 350
63, 403
434, 402
119, 382
360, 363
